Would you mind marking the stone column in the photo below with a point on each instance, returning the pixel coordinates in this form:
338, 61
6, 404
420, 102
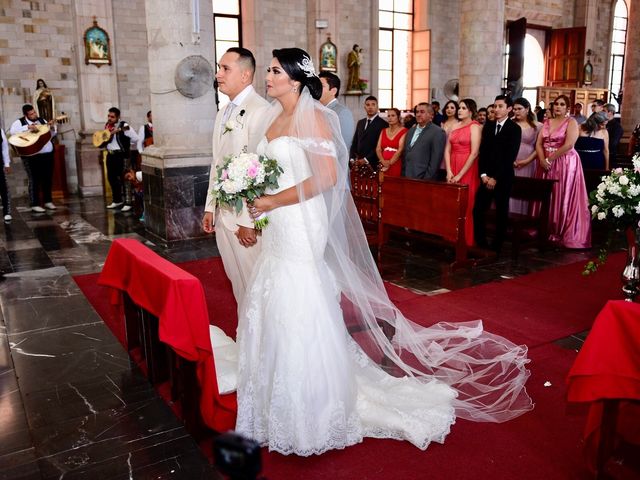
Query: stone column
630, 113
98, 91
176, 167
481, 49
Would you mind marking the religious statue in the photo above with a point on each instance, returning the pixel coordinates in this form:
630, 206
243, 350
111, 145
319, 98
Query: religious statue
328, 56
43, 101
354, 61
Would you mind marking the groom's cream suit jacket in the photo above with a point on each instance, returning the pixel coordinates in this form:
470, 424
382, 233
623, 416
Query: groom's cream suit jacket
248, 124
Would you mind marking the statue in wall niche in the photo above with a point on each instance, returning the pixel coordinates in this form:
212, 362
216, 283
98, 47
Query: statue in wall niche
43, 101
354, 61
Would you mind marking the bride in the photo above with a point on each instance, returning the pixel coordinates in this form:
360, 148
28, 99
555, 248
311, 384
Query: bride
310, 334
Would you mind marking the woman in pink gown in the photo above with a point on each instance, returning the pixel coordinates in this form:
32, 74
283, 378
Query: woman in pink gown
569, 216
391, 144
460, 155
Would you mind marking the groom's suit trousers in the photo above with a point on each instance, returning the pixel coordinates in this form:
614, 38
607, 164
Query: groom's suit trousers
238, 261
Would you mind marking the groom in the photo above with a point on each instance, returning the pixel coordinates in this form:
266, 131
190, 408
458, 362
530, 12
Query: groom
238, 127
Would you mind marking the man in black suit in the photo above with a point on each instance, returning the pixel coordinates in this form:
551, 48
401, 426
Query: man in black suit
498, 150
365, 140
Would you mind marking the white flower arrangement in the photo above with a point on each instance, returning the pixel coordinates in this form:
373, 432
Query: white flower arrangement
617, 197
616, 200
245, 176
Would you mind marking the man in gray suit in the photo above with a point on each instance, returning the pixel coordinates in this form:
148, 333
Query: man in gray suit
330, 91
424, 146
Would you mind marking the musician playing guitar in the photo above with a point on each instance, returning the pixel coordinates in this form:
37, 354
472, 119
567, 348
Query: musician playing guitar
118, 153
39, 167
145, 134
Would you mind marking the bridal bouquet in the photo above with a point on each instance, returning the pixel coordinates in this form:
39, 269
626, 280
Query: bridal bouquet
616, 200
245, 177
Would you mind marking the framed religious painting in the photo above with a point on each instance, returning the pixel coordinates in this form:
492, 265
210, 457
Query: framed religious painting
96, 46
328, 56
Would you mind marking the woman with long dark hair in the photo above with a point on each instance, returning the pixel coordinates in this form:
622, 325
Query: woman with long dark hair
461, 154
569, 215
305, 385
391, 144
525, 164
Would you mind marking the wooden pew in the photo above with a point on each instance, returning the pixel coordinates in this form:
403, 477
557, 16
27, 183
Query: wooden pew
365, 189
426, 206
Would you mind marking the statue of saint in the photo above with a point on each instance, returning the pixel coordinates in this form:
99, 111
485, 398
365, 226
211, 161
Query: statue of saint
354, 60
43, 101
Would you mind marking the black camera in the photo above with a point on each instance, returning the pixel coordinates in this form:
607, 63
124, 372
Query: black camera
237, 456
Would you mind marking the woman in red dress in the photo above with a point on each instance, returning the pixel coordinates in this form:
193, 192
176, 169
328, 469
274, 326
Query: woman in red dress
460, 155
391, 144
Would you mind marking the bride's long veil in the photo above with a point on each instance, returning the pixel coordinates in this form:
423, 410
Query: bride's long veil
487, 371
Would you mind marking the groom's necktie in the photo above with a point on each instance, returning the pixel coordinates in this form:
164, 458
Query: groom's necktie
227, 112
498, 128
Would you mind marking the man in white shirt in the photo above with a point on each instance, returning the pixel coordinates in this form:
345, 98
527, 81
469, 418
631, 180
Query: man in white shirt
238, 126
4, 192
39, 167
118, 150
330, 91
145, 134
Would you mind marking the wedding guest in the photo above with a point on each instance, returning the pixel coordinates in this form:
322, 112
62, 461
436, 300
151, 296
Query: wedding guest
424, 146
365, 138
525, 165
597, 106
481, 116
460, 155
491, 113
577, 114
6, 168
498, 150
330, 91
409, 120
438, 118
450, 115
592, 144
569, 215
391, 144
614, 128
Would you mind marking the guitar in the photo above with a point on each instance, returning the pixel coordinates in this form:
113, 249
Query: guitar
30, 143
103, 136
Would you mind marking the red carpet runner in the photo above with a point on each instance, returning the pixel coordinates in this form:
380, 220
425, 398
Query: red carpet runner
534, 309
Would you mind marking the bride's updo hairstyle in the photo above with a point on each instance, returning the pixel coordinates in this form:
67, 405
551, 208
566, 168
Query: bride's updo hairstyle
299, 66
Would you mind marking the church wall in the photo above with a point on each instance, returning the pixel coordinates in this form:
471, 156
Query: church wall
130, 52
443, 19
549, 13
37, 40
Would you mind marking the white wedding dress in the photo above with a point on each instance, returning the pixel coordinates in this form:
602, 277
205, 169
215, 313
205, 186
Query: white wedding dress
304, 386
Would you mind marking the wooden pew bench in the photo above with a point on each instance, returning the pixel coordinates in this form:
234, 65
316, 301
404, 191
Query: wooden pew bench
430, 207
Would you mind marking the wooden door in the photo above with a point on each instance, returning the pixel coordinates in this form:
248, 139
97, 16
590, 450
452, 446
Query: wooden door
515, 39
565, 57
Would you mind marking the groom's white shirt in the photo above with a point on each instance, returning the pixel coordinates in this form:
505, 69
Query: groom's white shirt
248, 123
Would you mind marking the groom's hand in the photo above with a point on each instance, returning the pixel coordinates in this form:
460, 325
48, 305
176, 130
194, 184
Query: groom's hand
246, 236
207, 222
